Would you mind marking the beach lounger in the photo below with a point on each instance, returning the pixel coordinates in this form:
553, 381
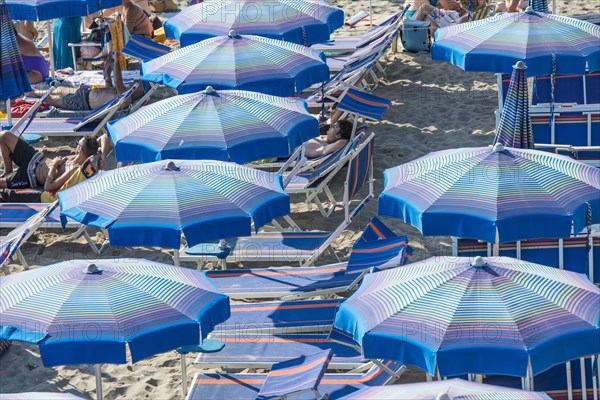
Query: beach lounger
92, 125
374, 50
10, 244
561, 382
346, 44
292, 317
248, 386
262, 351
378, 248
13, 215
577, 254
144, 49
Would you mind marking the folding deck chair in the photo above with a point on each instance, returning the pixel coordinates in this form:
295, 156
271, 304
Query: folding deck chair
577, 254
10, 244
262, 351
13, 215
144, 49
92, 125
375, 49
378, 248
248, 386
304, 247
346, 44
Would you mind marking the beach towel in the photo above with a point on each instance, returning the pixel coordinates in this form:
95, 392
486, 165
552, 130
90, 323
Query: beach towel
19, 107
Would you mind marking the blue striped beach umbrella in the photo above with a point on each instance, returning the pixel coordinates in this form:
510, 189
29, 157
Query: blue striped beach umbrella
484, 316
239, 62
240, 126
42, 10
13, 77
152, 204
82, 313
540, 6
303, 22
514, 129
493, 193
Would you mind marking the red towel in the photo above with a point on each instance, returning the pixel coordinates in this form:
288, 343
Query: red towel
18, 108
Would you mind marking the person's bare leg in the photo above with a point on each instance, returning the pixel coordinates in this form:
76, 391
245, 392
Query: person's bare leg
118, 75
108, 71
423, 12
8, 142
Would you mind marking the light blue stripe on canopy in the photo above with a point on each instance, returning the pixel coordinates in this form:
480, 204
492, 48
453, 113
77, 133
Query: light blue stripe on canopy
477, 193
487, 316
302, 22
239, 62
41, 10
240, 126
514, 129
152, 204
13, 77
78, 316
497, 43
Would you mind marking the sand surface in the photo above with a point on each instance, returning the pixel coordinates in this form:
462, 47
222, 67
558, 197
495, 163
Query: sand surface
435, 106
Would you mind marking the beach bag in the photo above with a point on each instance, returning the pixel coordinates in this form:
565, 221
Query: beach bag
415, 35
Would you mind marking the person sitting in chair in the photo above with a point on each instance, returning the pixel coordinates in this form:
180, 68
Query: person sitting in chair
36, 171
35, 64
333, 137
425, 7
511, 6
90, 99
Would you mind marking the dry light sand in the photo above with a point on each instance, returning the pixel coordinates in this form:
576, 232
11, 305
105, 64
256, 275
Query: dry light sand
435, 106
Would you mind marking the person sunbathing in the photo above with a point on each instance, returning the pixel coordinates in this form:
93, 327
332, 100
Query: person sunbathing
35, 64
511, 6
452, 7
333, 137
90, 99
34, 170
136, 20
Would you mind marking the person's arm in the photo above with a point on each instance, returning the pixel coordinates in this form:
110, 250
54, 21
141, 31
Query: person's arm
54, 183
105, 147
332, 147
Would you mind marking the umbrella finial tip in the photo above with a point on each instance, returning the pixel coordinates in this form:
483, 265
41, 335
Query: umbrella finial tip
498, 147
171, 166
529, 10
233, 33
209, 90
442, 396
92, 269
478, 262
520, 65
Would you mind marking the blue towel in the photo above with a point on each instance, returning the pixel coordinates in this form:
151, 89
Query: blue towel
66, 30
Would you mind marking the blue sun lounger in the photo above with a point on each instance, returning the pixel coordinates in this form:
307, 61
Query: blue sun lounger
248, 386
378, 248
262, 351
13, 215
571, 254
561, 382
291, 317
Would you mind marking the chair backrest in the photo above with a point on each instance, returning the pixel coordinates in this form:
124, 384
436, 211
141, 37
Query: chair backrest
104, 113
377, 31
375, 230
28, 117
144, 49
295, 376
364, 104
360, 171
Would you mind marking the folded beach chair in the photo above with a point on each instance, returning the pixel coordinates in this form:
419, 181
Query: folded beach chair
264, 350
291, 317
377, 248
303, 247
249, 386
374, 50
10, 244
346, 44
144, 49
577, 254
92, 125
575, 380
13, 215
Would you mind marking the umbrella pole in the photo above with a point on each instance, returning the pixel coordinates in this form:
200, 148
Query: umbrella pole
554, 7
500, 100
8, 115
183, 375
176, 257
98, 382
569, 381
583, 378
50, 47
496, 246
370, 13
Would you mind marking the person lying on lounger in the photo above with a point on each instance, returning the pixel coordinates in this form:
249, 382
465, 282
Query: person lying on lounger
35, 64
427, 10
90, 99
333, 137
34, 170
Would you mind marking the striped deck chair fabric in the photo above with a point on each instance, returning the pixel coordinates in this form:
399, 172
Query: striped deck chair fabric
247, 386
275, 317
144, 49
296, 376
364, 104
379, 248
264, 350
373, 51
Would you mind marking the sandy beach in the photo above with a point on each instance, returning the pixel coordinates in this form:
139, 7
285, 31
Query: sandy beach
435, 106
